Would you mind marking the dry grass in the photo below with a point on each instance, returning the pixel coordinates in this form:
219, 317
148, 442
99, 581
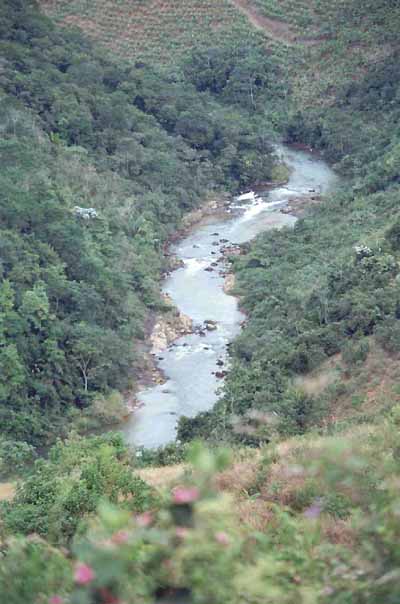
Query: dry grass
363, 390
369, 388
7, 491
255, 485
254, 513
339, 532
166, 476
239, 478
316, 382
275, 26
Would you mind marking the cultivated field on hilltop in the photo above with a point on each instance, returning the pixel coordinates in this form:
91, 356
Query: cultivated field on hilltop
159, 30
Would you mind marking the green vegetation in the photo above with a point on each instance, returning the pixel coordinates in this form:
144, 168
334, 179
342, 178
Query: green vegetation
317, 524
152, 30
100, 161
67, 488
335, 276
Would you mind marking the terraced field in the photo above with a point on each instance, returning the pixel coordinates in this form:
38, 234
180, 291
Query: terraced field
304, 33
157, 30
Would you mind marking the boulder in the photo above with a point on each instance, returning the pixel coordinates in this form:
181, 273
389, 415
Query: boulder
210, 325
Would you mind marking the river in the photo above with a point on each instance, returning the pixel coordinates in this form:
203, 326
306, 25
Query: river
190, 364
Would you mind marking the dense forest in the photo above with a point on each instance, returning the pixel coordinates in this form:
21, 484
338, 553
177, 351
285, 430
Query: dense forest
101, 160
334, 276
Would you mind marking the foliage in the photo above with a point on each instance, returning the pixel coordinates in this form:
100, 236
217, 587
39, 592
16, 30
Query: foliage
194, 549
168, 455
100, 160
15, 456
66, 488
334, 277
32, 572
317, 518
355, 352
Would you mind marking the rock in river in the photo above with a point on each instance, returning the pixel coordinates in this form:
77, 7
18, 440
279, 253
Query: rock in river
210, 325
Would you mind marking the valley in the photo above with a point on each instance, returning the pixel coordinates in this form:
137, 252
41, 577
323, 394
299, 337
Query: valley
195, 364
261, 461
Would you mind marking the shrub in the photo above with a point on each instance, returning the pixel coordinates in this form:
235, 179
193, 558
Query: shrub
15, 456
32, 572
171, 454
388, 334
66, 489
355, 352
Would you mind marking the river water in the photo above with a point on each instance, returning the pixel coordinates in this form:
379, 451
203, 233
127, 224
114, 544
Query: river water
190, 363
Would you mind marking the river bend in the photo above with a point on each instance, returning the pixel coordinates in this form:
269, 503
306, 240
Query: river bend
190, 364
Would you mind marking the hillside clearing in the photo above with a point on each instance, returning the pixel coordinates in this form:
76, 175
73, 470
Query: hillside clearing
273, 28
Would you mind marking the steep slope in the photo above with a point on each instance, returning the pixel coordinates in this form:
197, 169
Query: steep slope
311, 519
155, 30
334, 278
276, 24
100, 161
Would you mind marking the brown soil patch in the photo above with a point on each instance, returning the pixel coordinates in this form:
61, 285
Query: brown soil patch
316, 382
7, 491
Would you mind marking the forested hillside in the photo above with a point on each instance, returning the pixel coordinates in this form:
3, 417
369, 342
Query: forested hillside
324, 347
140, 148
100, 160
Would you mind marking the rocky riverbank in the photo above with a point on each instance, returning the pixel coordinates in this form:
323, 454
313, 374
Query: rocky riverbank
299, 206
164, 328
187, 360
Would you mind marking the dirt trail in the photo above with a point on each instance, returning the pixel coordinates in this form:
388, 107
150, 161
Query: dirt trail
273, 28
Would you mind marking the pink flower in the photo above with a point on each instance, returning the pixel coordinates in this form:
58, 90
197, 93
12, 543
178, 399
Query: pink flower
181, 532
182, 495
222, 538
84, 574
145, 519
120, 537
56, 600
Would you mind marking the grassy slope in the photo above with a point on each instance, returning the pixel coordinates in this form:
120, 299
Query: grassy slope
351, 40
157, 30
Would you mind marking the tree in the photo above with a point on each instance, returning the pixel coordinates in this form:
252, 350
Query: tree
67, 487
87, 353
